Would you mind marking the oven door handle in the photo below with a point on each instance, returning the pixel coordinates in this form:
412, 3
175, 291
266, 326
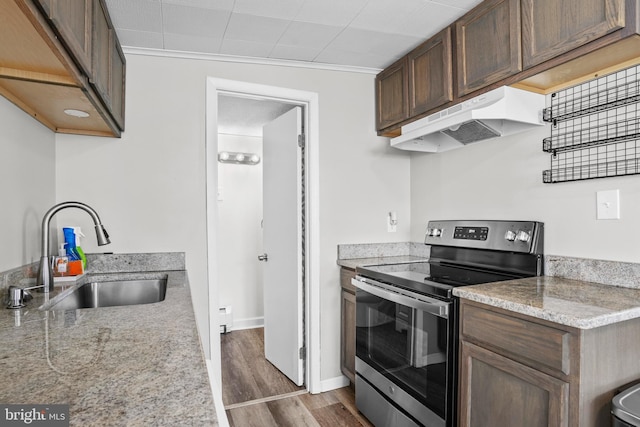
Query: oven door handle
426, 304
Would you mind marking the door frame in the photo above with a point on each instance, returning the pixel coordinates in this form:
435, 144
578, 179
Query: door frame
309, 100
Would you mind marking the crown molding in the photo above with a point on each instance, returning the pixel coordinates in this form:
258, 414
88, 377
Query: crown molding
246, 60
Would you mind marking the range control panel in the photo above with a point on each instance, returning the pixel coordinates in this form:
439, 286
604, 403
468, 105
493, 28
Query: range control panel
471, 233
513, 236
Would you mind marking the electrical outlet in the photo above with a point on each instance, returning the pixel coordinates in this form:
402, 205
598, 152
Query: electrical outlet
608, 204
392, 222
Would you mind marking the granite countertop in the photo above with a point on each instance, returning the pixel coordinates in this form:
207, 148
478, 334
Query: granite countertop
129, 365
383, 260
569, 302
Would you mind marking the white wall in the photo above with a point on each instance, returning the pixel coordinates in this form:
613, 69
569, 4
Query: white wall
149, 187
240, 233
502, 179
27, 184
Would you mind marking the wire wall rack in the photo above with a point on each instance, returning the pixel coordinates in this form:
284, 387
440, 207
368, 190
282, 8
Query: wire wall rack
595, 130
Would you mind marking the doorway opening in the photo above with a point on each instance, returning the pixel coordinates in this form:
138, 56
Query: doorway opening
229, 103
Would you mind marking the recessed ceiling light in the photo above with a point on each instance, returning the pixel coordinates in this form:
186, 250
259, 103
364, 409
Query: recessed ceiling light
76, 113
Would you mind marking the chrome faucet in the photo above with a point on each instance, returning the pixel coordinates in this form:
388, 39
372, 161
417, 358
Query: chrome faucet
45, 270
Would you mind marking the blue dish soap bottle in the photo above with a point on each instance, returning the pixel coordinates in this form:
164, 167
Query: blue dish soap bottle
70, 240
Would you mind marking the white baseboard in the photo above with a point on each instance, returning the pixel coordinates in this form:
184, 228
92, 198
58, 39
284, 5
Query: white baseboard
334, 383
249, 323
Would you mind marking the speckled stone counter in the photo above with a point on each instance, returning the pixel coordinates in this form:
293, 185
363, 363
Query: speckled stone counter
137, 365
575, 303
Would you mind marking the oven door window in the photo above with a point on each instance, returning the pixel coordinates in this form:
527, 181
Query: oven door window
406, 345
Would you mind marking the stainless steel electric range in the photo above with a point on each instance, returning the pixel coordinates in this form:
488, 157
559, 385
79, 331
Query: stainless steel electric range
407, 317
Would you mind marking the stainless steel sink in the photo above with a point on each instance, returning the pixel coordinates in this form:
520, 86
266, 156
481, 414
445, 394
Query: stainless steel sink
109, 294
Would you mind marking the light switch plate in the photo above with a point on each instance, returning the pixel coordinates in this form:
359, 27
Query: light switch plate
608, 204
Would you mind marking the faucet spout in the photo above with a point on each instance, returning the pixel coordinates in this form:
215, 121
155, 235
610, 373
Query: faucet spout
45, 270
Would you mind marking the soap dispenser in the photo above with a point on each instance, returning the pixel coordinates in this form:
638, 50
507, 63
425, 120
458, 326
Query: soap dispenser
61, 261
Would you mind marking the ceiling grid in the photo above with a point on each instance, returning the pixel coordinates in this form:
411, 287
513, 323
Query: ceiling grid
369, 34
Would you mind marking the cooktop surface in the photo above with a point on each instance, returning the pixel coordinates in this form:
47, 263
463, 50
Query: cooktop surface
428, 278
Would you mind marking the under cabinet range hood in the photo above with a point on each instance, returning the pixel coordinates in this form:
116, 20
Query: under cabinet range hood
500, 112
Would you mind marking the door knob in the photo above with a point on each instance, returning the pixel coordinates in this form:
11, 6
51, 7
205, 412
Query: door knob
263, 257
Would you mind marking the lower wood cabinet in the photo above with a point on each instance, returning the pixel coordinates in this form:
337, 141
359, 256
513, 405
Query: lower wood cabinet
527, 397
348, 324
517, 370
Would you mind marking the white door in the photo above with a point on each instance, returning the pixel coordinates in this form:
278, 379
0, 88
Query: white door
282, 234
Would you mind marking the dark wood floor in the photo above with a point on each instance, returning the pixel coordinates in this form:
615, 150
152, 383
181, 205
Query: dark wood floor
255, 393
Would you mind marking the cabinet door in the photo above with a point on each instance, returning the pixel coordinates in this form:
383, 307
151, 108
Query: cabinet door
108, 64
551, 27
488, 44
118, 78
73, 21
392, 95
348, 335
101, 53
430, 77
496, 391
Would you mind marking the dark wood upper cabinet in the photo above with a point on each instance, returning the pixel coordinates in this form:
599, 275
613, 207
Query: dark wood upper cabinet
537, 45
430, 75
108, 63
551, 28
51, 68
101, 52
73, 21
392, 93
488, 44
118, 80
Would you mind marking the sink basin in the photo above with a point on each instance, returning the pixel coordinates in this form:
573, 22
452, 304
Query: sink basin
109, 294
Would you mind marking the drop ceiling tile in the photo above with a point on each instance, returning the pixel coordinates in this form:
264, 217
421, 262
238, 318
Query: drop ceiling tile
204, 4
143, 39
383, 16
188, 43
305, 34
294, 53
281, 9
138, 15
246, 48
426, 21
375, 43
353, 30
255, 28
194, 21
330, 12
